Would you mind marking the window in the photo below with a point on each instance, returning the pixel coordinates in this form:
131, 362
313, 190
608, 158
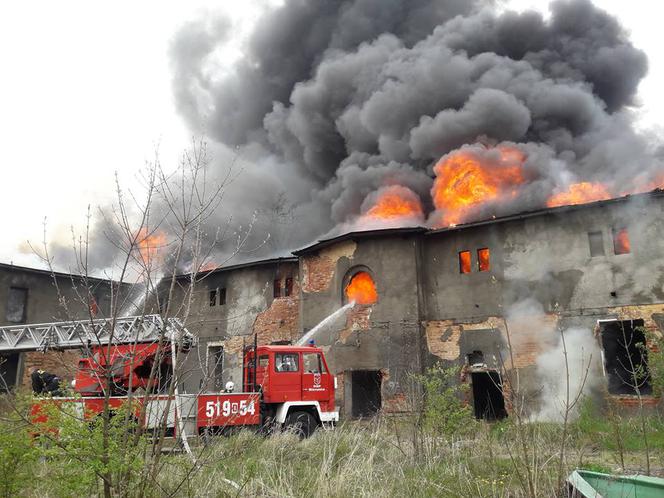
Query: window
276, 288
16, 305
263, 361
464, 262
621, 243
596, 242
312, 363
213, 297
222, 296
286, 362
289, 286
483, 259
216, 366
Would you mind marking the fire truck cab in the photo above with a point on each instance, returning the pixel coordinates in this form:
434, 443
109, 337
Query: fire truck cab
294, 383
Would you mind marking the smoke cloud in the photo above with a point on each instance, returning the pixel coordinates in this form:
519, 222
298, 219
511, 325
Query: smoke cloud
335, 100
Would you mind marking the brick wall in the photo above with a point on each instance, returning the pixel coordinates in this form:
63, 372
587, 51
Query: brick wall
318, 270
61, 363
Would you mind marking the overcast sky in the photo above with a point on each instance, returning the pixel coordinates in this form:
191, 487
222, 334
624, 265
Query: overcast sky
85, 93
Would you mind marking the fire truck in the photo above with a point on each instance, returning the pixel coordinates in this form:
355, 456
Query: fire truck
282, 386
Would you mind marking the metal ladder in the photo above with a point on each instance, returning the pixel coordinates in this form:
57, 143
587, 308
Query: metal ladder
81, 333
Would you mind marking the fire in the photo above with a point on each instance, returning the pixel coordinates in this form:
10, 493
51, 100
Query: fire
394, 202
469, 178
621, 244
150, 244
579, 193
361, 289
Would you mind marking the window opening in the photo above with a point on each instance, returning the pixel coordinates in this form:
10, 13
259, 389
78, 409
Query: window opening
276, 288
222, 296
213, 297
9, 366
464, 262
288, 290
625, 357
361, 289
216, 367
483, 259
16, 305
596, 243
621, 244
286, 362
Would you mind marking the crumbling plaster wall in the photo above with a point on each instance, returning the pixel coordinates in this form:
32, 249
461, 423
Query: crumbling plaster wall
544, 260
250, 309
384, 336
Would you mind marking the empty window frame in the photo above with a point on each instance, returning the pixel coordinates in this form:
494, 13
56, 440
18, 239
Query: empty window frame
222, 296
215, 366
17, 303
621, 244
625, 356
464, 262
276, 288
212, 296
596, 244
288, 289
483, 259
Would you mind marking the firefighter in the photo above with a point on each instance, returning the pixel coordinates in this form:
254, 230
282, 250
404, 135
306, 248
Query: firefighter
44, 382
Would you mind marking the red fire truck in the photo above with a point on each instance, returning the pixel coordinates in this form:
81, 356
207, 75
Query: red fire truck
283, 386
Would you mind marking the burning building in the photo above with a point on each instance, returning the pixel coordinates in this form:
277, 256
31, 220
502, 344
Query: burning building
412, 297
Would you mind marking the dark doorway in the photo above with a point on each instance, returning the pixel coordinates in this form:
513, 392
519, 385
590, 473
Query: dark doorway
488, 395
625, 357
365, 393
9, 363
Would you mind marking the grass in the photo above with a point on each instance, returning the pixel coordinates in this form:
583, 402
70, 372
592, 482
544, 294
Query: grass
387, 457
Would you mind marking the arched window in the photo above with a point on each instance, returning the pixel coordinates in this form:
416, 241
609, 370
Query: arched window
360, 288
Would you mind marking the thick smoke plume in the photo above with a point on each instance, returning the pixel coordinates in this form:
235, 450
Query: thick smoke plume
335, 100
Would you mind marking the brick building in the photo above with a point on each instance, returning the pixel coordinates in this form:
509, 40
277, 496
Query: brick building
29, 295
449, 295
456, 295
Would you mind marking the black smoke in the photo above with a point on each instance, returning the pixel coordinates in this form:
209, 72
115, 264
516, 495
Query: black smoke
335, 99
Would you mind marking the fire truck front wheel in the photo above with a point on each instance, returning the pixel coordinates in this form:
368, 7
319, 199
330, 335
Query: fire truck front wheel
301, 423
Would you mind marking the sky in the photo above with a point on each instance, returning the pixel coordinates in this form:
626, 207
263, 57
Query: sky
85, 94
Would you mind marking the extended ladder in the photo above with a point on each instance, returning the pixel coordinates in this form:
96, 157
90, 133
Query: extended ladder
81, 333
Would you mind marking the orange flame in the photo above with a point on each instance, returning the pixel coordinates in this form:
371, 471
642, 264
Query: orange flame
579, 193
621, 244
361, 289
393, 202
469, 178
150, 245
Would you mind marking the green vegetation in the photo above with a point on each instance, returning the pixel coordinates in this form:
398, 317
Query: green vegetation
384, 457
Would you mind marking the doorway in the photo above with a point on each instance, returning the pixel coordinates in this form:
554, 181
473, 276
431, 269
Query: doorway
365, 393
488, 400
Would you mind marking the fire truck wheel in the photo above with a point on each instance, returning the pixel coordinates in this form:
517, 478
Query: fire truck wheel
301, 423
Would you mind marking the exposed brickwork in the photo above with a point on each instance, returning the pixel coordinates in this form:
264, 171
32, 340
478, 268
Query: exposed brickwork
280, 322
61, 363
529, 336
358, 318
318, 270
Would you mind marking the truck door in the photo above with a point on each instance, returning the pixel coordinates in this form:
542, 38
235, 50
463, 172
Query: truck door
315, 378
286, 381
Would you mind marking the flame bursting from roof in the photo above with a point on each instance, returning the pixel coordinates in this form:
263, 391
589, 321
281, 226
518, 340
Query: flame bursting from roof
468, 178
394, 202
150, 245
579, 193
361, 289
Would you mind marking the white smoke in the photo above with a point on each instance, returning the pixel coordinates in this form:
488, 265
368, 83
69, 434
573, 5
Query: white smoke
583, 361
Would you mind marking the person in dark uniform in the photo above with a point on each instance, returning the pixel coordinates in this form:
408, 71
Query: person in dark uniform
44, 382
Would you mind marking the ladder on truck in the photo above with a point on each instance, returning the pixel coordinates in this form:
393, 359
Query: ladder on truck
84, 333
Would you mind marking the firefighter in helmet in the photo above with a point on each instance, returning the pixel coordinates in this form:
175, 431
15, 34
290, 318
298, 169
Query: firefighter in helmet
44, 382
